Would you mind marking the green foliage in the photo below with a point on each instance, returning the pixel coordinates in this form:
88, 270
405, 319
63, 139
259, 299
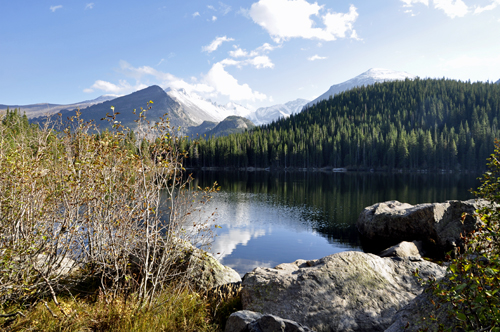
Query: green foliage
412, 124
473, 280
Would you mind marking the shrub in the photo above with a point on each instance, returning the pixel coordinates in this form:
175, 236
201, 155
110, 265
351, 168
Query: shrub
85, 204
473, 280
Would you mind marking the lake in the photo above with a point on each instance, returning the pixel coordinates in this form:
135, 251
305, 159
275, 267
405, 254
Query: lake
268, 218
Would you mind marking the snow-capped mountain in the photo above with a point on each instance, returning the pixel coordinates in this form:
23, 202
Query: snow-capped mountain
200, 109
265, 115
374, 75
41, 109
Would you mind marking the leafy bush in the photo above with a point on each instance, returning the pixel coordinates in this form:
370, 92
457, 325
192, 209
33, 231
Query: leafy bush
473, 280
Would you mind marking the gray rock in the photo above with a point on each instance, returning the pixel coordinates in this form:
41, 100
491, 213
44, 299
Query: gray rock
349, 291
249, 321
415, 316
201, 269
412, 250
438, 225
239, 321
271, 323
206, 272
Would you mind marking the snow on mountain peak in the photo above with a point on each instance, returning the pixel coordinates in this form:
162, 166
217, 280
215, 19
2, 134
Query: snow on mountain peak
371, 76
200, 109
385, 74
269, 114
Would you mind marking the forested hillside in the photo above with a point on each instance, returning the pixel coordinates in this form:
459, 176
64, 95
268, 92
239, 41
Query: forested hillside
413, 124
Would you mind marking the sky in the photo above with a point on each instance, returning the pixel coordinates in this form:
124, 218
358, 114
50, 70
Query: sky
252, 52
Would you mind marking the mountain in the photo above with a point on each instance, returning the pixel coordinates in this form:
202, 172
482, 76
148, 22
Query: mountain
374, 75
269, 114
199, 109
201, 129
162, 103
41, 109
497, 82
231, 125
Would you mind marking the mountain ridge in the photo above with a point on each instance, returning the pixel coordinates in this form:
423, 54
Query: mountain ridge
125, 105
40, 109
371, 76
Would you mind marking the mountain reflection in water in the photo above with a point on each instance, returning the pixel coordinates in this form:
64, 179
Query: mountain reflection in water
269, 218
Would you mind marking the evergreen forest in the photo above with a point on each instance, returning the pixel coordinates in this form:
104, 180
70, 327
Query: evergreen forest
420, 124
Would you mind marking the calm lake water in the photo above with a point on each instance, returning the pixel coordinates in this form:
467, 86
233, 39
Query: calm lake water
268, 218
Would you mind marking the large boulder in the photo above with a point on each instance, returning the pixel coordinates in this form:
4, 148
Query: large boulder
348, 291
438, 225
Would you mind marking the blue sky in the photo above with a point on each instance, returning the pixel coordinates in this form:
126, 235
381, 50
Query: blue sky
255, 53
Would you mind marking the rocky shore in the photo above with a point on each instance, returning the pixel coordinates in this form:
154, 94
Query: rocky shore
356, 291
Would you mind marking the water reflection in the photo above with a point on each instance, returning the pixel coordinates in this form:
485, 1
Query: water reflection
271, 218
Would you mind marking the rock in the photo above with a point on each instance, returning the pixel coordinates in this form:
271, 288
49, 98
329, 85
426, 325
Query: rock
60, 266
239, 321
438, 225
415, 315
412, 250
349, 291
205, 272
249, 321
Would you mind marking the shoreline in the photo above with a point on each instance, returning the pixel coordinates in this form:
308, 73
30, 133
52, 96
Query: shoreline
332, 170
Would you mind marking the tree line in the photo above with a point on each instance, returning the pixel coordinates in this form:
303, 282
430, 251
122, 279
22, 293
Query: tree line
431, 124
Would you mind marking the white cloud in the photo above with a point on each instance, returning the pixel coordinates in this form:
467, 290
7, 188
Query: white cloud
266, 47
164, 79
354, 35
316, 57
145, 74
121, 88
89, 5
225, 84
216, 82
214, 18
215, 44
261, 61
238, 52
231, 62
285, 19
225, 9
337, 24
211, 7
491, 6
409, 3
196, 14
54, 8
161, 61
244, 12
452, 8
